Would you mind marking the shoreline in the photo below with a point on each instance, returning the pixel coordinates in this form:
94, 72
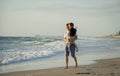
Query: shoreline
102, 67
112, 37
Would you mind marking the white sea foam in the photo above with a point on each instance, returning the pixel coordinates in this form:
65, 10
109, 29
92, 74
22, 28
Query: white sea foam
31, 52
34, 55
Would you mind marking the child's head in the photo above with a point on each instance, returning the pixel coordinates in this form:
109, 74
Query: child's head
72, 29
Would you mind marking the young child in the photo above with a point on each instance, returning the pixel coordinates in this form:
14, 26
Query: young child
70, 36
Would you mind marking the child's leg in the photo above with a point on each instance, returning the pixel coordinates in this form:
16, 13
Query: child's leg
69, 43
68, 46
76, 47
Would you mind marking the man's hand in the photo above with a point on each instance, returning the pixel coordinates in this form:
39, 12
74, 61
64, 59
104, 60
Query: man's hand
75, 37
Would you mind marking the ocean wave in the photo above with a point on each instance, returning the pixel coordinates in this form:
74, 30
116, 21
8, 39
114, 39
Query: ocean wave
40, 48
31, 52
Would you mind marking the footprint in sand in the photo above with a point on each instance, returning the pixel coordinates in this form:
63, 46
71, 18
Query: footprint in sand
83, 73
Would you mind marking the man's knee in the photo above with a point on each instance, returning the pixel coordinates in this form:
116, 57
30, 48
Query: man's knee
73, 56
66, 56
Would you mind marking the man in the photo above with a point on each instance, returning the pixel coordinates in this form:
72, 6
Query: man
73, 46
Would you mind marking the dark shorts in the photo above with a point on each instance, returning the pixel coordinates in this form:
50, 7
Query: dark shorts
72, 50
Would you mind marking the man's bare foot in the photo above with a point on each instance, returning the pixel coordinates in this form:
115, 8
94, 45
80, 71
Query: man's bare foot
66, 67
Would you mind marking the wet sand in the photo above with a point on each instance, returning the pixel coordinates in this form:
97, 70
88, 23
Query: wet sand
105, 67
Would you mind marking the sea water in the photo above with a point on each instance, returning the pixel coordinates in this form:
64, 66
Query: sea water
43, 52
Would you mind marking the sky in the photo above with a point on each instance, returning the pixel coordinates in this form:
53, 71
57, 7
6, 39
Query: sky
49, 17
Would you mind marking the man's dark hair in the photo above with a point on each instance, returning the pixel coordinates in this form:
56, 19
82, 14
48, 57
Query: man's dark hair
71, 24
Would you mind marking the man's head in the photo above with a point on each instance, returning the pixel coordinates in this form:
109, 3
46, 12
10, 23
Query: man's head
71, 25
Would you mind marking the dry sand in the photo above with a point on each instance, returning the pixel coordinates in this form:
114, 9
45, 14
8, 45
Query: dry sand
112, 37
105, 67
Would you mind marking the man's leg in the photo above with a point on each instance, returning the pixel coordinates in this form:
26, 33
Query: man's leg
75, 59
66, 56
66, 59
73, 54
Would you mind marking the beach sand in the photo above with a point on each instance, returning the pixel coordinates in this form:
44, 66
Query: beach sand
112, 37
105, 67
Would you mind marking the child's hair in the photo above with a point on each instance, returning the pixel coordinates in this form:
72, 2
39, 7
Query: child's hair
72, 30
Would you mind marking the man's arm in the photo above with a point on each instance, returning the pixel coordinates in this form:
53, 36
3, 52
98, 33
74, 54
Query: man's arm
75, 37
